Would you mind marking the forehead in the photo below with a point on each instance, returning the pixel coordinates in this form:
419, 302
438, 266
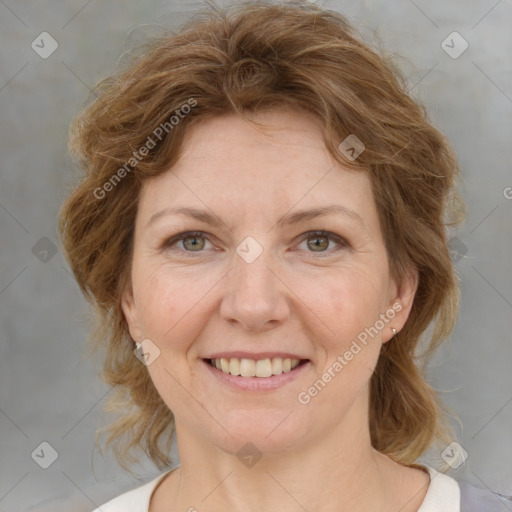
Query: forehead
275, 131
230, 164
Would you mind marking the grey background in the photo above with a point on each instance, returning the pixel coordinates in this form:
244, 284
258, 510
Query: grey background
50, 391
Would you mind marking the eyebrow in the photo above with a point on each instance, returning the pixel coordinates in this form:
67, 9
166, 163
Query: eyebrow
285, 220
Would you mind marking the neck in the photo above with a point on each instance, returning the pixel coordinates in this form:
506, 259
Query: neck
338, 472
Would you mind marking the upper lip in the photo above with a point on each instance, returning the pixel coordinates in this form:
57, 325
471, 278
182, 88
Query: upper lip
254, 355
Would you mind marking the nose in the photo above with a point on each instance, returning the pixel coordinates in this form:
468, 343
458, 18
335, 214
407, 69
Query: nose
255, 297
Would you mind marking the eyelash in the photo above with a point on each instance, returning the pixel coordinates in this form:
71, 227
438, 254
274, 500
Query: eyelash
168, 243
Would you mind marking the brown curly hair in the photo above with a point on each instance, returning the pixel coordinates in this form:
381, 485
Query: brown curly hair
249, 58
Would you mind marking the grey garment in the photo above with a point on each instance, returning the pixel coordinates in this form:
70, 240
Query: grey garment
476, 499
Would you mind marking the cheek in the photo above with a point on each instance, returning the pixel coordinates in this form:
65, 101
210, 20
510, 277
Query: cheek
349, 302
350, 306
345, 301
169, 303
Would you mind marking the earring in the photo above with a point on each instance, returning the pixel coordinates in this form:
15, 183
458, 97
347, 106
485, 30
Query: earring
394, 331
138, 337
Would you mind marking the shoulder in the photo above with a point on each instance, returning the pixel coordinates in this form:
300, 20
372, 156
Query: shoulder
135, 500
445, 494
476, 499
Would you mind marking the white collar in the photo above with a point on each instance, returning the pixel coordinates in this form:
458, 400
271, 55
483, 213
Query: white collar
443, 493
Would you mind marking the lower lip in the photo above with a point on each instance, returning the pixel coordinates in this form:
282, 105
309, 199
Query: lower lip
257, 383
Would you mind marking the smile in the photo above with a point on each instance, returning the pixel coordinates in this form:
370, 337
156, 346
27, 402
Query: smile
263, 368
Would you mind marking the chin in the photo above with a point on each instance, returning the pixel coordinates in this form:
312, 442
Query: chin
269, 432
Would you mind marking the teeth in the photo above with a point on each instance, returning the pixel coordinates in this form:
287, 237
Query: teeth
233, 367
277, 365
255, 368
247, 368
224, 365
264, 368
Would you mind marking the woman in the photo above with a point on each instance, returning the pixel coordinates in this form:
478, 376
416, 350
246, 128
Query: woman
262, 228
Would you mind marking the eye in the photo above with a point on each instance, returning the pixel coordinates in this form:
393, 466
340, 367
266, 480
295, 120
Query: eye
321, 241
193, 241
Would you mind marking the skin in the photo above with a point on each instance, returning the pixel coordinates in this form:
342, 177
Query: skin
303, 294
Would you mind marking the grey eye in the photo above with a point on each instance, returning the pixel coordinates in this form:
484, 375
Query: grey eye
321, 243
193, 243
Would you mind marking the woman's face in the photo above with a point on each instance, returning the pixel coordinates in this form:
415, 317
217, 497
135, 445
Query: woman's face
254, 285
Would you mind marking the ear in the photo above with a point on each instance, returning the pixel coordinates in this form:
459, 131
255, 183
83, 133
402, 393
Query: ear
130, 313
401, 303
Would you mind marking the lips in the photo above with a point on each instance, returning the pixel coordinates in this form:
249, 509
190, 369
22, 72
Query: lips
253, 355
255, 384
